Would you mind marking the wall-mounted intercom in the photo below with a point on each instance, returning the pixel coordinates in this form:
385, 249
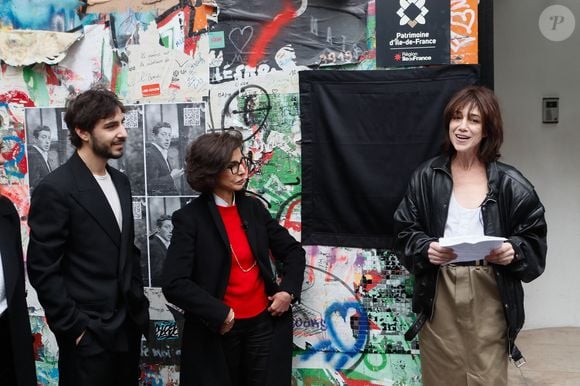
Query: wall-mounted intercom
550, 110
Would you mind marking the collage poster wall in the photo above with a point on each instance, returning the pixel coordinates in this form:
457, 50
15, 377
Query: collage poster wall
183, 68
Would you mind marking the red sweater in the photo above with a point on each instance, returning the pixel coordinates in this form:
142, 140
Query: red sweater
245, 292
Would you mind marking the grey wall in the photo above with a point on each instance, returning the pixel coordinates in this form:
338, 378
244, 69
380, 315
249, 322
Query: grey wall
528, 67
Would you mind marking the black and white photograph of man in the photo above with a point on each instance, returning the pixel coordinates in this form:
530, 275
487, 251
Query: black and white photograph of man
162, 173
39, 164
160, 231
47, 140
158, 244
169, 129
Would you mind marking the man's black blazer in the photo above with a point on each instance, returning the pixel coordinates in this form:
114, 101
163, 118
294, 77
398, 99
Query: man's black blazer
159, 181
37, 167
157, 254
85, 270
13, 266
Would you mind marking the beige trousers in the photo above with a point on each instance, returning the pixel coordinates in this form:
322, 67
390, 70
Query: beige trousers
465, 344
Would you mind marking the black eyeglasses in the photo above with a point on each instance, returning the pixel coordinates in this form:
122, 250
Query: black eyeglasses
234, 166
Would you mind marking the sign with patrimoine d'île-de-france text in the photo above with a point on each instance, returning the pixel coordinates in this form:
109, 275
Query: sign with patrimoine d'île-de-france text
412, 32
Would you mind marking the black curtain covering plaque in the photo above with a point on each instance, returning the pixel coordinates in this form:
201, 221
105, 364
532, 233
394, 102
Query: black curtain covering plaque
363, 133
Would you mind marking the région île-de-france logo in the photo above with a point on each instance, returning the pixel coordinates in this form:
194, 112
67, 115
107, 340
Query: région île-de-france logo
397, 57
412, 12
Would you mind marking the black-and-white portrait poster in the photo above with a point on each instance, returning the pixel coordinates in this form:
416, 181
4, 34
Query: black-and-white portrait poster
48, 144
169, 129
158, 136
160, 231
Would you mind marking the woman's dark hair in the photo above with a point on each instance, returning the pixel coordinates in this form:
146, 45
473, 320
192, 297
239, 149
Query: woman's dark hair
87, 108
207, 156
486, 102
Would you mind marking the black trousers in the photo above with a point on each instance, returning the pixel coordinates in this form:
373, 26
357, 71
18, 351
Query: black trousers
7, 373
88, 364
247, 349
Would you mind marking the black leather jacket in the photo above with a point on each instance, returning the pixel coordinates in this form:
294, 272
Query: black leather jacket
511, 209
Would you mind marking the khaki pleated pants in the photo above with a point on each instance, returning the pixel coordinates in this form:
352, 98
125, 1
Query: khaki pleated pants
465, 342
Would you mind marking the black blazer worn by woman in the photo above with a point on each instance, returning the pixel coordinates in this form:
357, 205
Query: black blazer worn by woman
196, 275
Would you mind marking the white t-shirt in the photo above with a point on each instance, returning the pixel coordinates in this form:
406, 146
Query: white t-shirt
110, 191
463, 221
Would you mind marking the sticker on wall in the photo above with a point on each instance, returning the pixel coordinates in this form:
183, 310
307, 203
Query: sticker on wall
412, 33
557, 23
216, 40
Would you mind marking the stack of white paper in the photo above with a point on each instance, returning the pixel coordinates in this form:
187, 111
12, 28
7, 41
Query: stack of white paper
470, 248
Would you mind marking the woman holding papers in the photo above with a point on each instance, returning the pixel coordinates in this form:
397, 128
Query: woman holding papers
470, 309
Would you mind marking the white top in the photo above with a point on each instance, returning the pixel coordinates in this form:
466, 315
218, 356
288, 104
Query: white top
3, 301
221, 202
110, 191
463, 221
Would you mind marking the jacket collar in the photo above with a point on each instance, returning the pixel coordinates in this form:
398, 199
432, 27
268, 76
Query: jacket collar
492, 179
244, 210
443, 163
91, 197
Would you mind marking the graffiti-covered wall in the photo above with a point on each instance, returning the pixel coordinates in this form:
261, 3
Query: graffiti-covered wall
184, 68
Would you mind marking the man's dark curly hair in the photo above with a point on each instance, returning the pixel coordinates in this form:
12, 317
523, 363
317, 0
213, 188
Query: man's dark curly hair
208, 155
87, 108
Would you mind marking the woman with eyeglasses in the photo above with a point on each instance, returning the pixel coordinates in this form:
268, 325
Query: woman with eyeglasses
238, 315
